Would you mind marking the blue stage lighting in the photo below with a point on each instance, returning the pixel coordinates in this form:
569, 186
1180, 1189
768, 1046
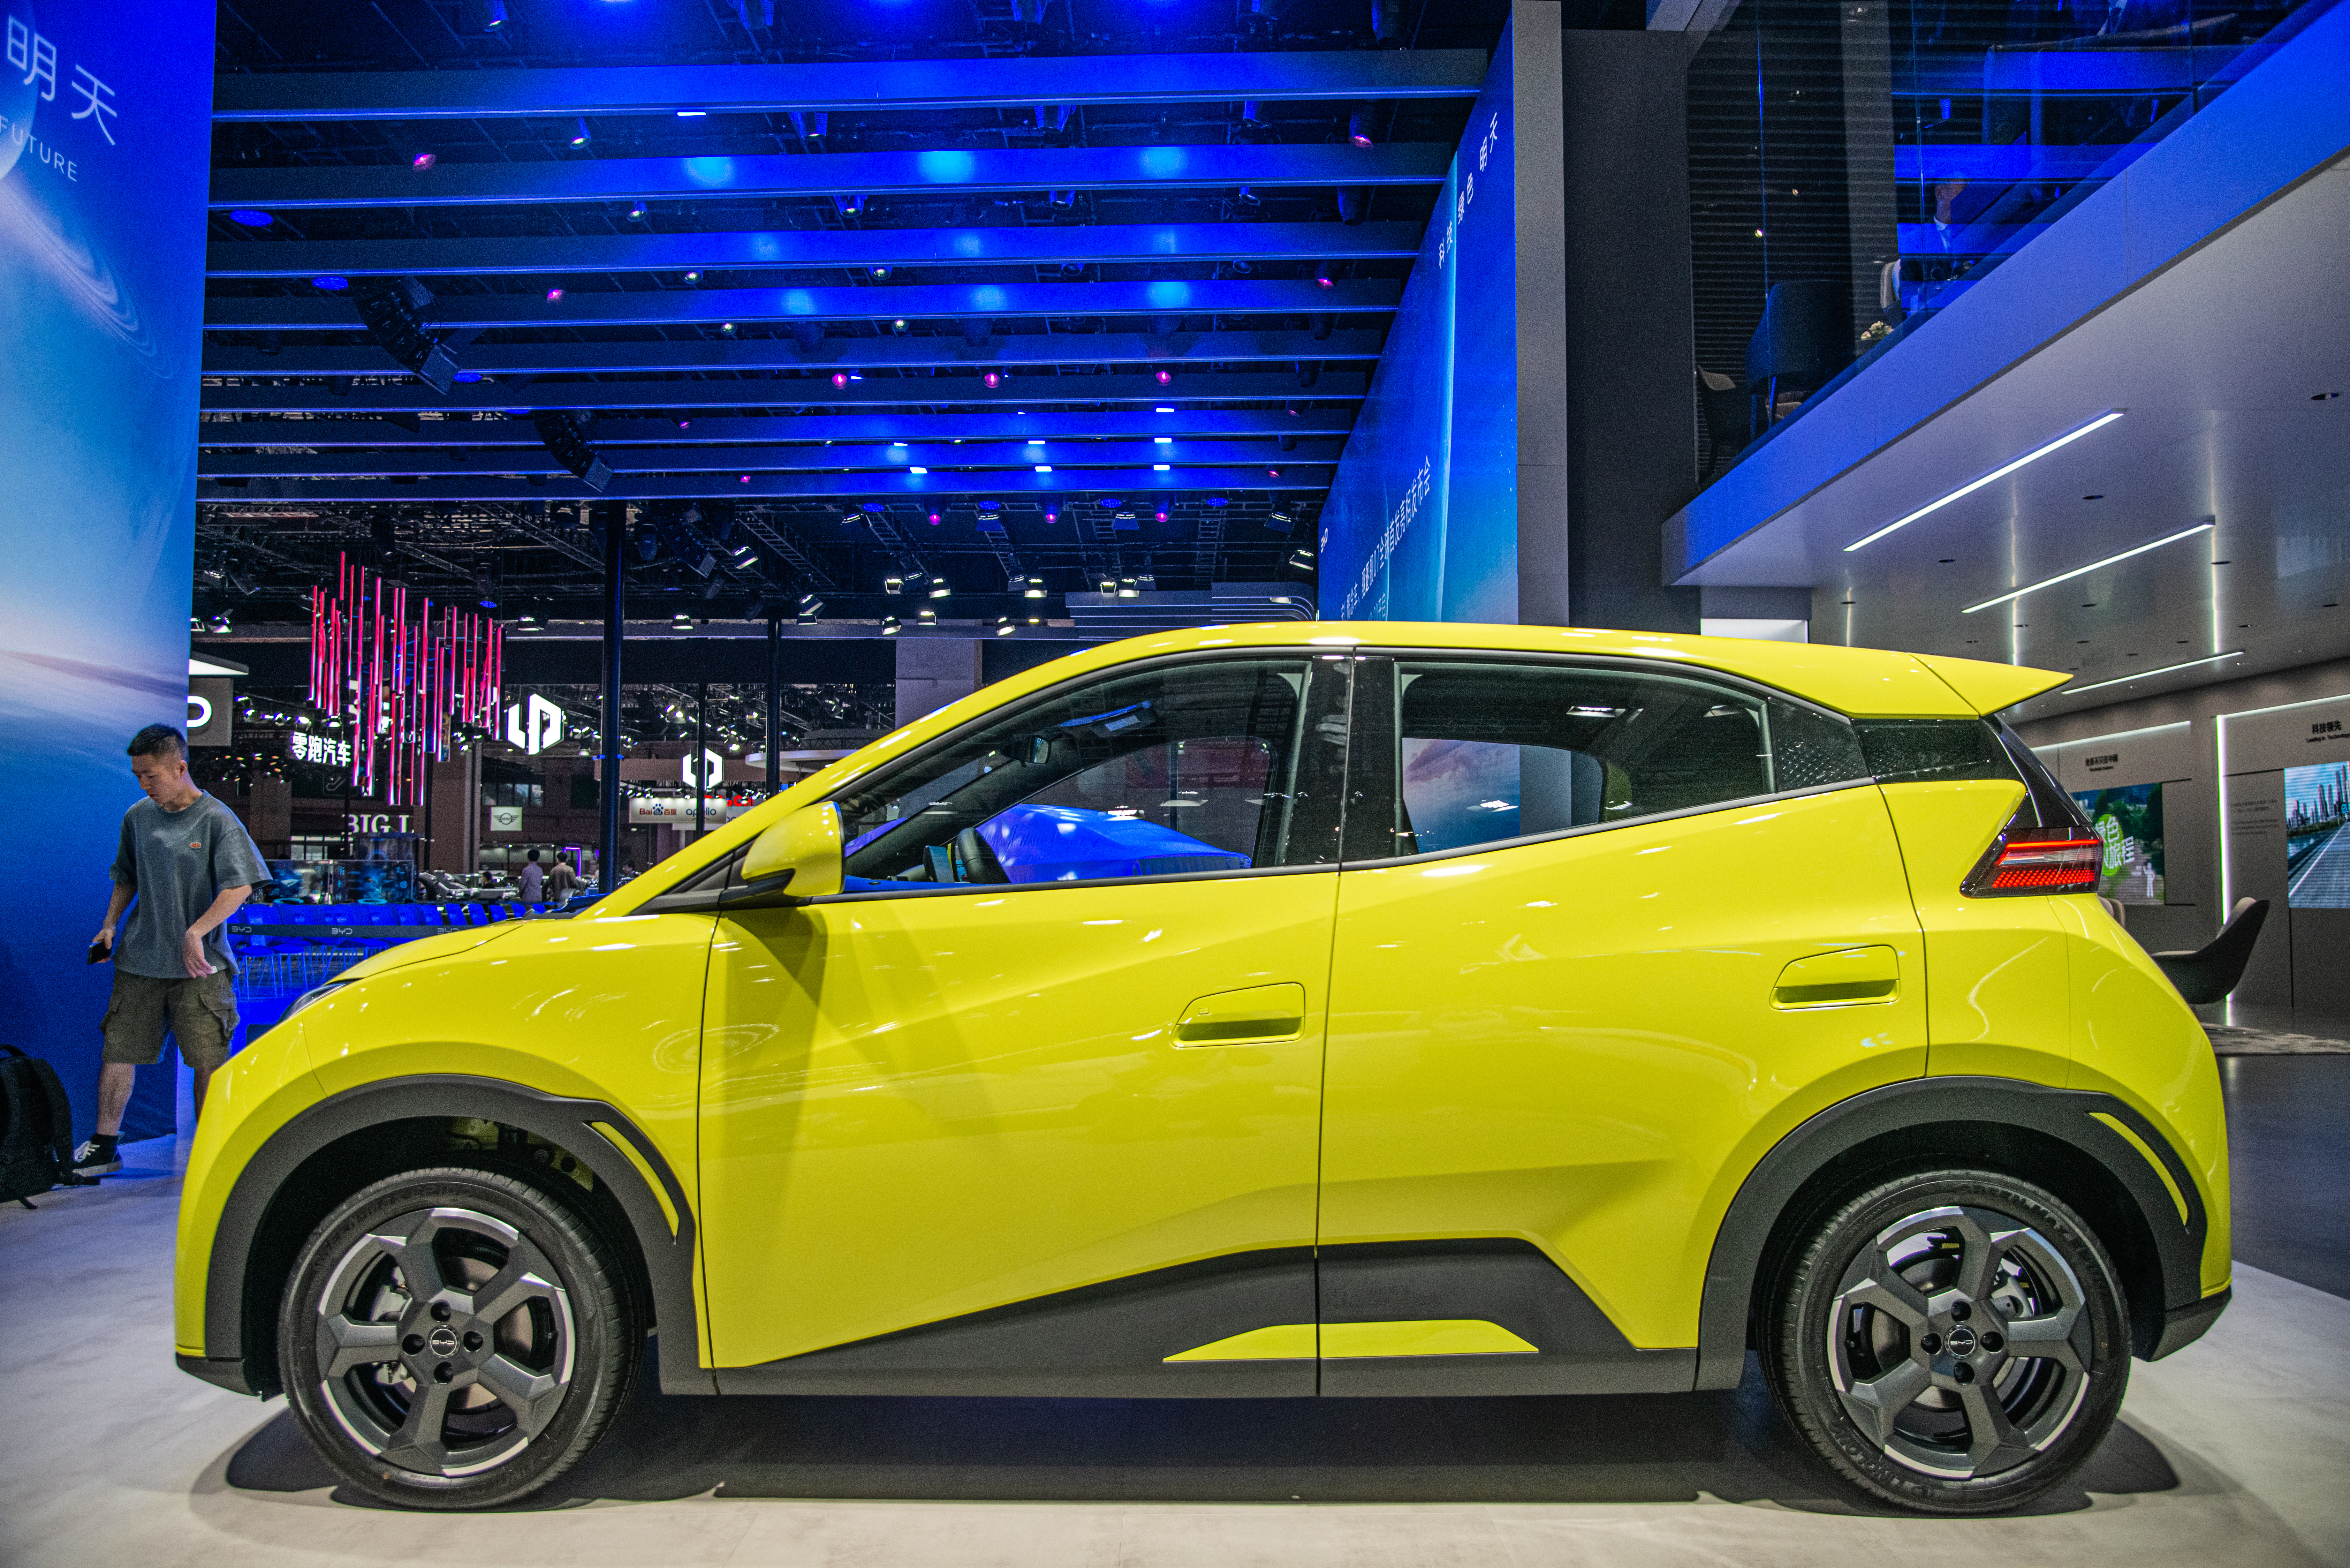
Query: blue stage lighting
331, 283
249, 218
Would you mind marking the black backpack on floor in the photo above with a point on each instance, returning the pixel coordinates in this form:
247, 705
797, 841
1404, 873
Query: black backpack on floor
36, 1128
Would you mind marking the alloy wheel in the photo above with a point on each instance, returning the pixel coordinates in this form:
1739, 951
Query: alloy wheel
445, 1343
1958, 1343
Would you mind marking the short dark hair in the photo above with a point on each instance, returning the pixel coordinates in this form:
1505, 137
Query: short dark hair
157, 740
532, 856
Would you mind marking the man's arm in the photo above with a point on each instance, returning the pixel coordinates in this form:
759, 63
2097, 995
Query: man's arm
192, 946
114, 908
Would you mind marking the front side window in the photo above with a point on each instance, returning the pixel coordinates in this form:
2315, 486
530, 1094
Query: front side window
1174, 770
1483, 751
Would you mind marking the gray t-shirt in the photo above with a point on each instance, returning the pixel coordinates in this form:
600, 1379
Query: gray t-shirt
179, 861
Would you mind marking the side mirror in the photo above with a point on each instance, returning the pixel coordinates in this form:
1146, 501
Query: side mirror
803, 847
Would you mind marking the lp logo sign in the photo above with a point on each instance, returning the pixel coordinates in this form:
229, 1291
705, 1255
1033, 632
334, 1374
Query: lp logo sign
707, 770
535, 727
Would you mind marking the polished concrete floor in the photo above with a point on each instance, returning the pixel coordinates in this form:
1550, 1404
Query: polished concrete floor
2233, 1452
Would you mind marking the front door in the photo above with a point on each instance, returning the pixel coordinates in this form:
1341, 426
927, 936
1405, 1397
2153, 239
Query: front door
1033, 1105
1629, 928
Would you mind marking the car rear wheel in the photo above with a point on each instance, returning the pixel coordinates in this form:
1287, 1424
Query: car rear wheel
1951, 1341
453, 1338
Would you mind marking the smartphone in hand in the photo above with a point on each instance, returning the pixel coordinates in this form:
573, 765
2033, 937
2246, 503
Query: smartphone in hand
100, 951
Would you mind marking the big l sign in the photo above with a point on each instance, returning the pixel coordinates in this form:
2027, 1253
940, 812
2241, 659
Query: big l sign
535, 725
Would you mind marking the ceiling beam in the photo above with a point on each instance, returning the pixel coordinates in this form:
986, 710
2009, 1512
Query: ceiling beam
1323, 76
1004, 424
914, 302
806, 391
904, 487
942, 461
941, 170
767, 249
856, 355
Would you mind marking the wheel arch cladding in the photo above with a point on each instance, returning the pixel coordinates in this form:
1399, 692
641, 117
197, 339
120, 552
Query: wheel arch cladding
340, 1145
2050, 1136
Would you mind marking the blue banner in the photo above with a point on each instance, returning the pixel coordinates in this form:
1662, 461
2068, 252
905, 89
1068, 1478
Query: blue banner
105, 137
1421, 523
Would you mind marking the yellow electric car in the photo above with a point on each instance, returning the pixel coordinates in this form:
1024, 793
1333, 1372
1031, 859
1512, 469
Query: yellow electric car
1269, 1012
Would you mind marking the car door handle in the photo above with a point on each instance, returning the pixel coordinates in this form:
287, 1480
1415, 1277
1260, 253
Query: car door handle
1845, 978
1262, 1013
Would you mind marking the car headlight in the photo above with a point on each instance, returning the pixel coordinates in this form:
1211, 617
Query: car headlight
309, 996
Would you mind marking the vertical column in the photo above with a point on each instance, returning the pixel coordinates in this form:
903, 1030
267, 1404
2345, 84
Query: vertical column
616, 630
1631, 349
775, 696
933, 671
1868, 158
701, 769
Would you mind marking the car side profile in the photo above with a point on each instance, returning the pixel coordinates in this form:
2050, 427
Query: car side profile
1288, 1011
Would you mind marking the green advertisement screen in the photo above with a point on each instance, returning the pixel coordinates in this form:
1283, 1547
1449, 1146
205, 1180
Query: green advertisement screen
2129, 819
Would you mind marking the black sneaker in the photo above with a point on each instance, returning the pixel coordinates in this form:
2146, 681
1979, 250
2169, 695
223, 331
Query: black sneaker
92, 1159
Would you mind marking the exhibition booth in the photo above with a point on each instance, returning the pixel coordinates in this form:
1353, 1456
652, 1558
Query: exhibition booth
1316, 780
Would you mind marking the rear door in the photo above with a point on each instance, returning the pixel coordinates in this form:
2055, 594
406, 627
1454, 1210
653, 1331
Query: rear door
1605, 933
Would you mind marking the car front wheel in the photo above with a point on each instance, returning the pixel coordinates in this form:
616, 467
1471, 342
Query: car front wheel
453, 1338
1951, 1341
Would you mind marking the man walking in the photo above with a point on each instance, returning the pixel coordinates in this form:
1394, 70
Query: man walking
190, 863
533, 878
561, 882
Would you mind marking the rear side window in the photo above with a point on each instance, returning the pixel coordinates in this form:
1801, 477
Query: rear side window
1933, 751
1486, 752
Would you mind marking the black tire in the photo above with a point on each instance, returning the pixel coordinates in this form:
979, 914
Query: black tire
517, 1388
1951, 1341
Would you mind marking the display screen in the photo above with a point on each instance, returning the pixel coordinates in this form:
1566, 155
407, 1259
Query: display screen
2129, 819
2316, 855
105, 139
1421, 523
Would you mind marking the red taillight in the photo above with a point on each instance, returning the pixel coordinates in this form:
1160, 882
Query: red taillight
2038, 860
2052, 864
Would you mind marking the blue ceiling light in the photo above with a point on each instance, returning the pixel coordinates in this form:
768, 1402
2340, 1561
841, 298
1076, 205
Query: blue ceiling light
1216, 501
580, 136
1109, 503
692, 114
251, 218
496, 17
469, 376
331, 283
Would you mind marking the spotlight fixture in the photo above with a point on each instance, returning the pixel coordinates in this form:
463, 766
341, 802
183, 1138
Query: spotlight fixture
811, 607
424, 161
890, 626
840, 378
934, 519
554, 293
1358, 128
680, 621
992, 380
893, 583
1109, 584
693, 114
1032, 587
927, 616
580, 136
1163, 378
330, 281
940, 588
1127, 588
249, 218
881, 275
636, 211
1003, 626
496, 16
693, 277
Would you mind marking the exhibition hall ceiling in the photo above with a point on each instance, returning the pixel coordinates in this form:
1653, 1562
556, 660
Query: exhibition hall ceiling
831, 294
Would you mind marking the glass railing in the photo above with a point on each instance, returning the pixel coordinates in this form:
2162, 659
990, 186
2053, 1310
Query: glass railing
1856, 165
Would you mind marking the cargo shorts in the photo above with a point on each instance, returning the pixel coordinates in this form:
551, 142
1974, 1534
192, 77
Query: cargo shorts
200, 1013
